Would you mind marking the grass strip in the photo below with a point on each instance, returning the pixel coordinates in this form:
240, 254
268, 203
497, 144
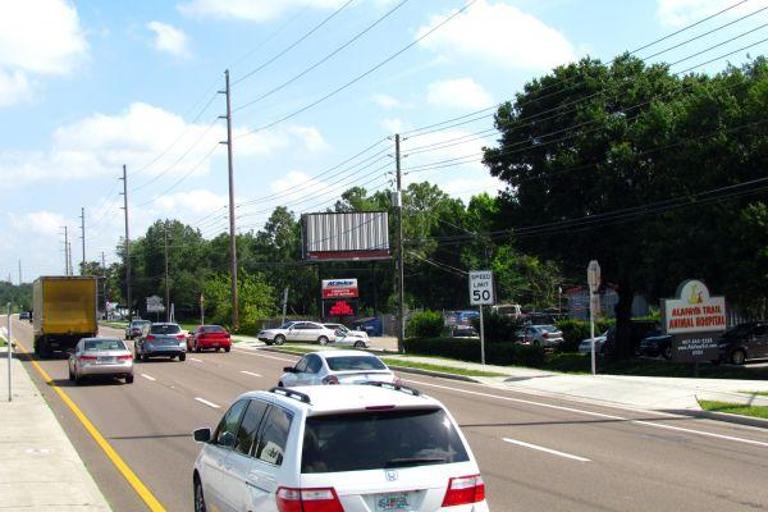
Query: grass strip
755, 411
468, 372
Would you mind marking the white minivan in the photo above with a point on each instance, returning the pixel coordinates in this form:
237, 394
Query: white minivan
357, 448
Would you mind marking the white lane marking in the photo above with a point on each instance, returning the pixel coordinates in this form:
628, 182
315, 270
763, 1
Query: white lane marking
257, 353
206, 402
148, 377
545, 450
195, 360
600, 415
250, 373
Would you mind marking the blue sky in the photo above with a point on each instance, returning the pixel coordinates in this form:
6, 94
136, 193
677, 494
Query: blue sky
87, 86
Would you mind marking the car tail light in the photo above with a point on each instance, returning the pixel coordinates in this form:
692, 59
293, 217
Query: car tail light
308, 500
87, 358
126, 357
545, 335
464, 490
150, 337
331, 379
180, 337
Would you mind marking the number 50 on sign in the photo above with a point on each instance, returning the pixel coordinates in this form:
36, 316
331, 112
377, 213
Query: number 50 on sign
481, 287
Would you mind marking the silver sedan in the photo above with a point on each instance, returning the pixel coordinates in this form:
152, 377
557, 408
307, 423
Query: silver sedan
107, 357
337, 367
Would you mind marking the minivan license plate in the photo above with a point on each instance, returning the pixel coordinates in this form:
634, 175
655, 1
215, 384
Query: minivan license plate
392, 503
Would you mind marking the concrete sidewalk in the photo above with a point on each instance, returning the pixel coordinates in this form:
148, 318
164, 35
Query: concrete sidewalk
39, 468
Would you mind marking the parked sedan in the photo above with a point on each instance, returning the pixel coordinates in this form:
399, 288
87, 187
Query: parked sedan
136, 328
656, 344
346, 336
106, 357
309, 332
209, 337
744, 342
162, 340
540, 335
337, 367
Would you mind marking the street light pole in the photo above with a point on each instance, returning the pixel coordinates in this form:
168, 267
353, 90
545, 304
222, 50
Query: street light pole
593, 279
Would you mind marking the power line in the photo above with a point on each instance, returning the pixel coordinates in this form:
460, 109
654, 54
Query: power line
294, 44
323, 60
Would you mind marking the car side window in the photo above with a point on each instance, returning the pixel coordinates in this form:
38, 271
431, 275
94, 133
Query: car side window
230, 422
273, 436
301, 366
314, 364
297, 326
246, 434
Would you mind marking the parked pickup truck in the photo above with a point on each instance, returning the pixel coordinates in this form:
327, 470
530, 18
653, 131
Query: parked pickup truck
64, 312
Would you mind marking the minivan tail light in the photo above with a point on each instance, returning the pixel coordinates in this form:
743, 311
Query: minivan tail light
464, 490
331, 379
308, 500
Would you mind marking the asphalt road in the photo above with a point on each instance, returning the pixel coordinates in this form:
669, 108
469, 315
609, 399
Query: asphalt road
535, 454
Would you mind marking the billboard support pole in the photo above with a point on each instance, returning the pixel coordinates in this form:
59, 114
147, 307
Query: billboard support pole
10, 353
400, 269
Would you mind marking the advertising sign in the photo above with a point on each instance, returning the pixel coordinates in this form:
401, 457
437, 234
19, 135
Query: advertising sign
481, 287
350, 236
340, 289
155, 304
690, 348
694, 310
339, 308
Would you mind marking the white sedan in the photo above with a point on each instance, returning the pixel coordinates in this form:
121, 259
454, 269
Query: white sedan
308, 332
346, 336
337, 367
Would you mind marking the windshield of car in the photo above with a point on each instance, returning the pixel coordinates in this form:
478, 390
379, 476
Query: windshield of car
336, 327
380, 439
105, 344
355, 363
547, 328
213, 328
165, 329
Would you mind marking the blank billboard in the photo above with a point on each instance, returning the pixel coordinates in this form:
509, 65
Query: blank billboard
346, 236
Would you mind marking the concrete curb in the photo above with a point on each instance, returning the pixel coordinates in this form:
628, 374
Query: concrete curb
404, 369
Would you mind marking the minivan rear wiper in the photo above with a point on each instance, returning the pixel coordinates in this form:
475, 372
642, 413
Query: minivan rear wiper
413, 461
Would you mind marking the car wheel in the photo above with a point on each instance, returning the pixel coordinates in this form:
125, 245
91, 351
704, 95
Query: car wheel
199, 498
322, 340
667, 353
182, 357
71, 375
78, 379
279, 339
738, 357
129, 379
197, 348
359, 344
144, 357
227, 349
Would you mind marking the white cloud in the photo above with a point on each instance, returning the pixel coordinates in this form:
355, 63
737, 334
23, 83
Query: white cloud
40, 222
169, 39
386, 101
37, 37
14, 87
463, 93
500, 34
392, 125
250, 10
677, 13
98, 145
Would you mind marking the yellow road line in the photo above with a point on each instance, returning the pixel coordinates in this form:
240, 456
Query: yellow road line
144, 493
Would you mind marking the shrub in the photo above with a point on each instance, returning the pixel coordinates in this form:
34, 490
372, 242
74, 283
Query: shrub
498, 328
502, 354
425, 324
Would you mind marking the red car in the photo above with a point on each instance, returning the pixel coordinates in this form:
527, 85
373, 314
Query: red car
209, 337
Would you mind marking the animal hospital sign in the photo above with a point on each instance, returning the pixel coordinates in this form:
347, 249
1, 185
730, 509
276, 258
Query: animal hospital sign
694, 310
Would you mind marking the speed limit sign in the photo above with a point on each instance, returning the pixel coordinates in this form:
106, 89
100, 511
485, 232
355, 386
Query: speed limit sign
481, 287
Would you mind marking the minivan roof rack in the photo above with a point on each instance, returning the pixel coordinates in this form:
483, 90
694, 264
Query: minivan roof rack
290, 393
396, 387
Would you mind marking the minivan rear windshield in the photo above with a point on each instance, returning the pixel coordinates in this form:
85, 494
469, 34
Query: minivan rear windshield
165, 329
379, 440
355, 363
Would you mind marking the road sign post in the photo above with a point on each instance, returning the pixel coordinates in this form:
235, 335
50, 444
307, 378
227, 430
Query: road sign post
593, 279
10, 353
480, 294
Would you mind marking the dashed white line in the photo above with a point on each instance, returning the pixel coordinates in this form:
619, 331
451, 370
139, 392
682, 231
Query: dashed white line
148, 377
250, 373
258, 353
195, 360
206, 402
545, 450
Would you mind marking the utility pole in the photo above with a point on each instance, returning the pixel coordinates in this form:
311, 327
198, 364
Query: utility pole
232, 240
104, 283
400, 270
20, 278
167, 286
127, 246
66, 251
82, 236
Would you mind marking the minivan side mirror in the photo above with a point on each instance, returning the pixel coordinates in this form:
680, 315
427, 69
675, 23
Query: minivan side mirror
290, 369
202, 435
